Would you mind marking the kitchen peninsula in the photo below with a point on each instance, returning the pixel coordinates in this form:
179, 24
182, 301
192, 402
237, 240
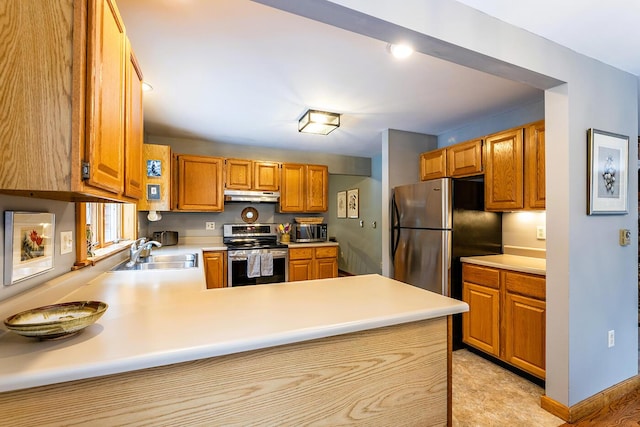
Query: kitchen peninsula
357, 350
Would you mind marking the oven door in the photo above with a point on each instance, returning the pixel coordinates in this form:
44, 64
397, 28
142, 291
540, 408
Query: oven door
237, 261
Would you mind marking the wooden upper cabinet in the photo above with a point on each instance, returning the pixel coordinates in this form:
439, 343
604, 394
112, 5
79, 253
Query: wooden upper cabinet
504, 171
317, 188
433, 164
252, 175
75, 59
266, 176
292, 187
304, 188
534, 167
161, 156
464, 159
134, 135
105, 97
238, 174
198, 183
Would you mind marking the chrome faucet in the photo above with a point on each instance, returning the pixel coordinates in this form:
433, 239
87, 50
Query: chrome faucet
137, 247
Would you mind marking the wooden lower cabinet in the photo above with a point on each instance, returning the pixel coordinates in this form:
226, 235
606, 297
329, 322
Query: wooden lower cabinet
481, 324
313, 263
215, 268
507, 316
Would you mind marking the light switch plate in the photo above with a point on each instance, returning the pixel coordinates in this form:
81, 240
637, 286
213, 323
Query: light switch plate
625, 237
66, 242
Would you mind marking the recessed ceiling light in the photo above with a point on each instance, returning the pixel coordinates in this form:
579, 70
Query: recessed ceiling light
400, 51
146, 87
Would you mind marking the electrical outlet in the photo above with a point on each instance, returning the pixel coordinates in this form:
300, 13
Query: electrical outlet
210, 225
66, 242
612, 338
541, 232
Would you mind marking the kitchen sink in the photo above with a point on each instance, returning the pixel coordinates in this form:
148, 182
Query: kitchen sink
161, 262
153, 259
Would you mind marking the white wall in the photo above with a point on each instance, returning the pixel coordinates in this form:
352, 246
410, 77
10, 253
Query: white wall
591, 280
65, 221
519, 230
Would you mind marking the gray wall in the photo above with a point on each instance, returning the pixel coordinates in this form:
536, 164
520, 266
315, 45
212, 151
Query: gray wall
360, 247
65, 221
506, 120
591, 280
400, 165
348, 165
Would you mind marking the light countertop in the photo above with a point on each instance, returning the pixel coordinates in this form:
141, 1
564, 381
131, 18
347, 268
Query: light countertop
523, 264
161, 317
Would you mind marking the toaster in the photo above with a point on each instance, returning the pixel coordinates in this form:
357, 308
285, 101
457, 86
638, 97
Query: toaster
167, 238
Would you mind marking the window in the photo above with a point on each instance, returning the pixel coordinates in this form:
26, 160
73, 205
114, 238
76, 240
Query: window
103, 225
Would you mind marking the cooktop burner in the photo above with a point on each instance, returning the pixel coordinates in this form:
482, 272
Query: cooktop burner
237, 246
251, 236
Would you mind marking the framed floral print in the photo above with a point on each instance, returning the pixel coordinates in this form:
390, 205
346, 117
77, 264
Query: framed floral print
29, 240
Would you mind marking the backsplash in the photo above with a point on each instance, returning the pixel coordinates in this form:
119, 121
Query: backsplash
519, 233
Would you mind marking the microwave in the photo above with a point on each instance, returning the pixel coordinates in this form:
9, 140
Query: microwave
309, 233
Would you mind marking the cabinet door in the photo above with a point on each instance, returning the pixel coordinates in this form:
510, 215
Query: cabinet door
215, 269
134, 128
465, 159
326, 268
105, 97
238, 174
534, 177
504, 171
292, 191
266, 176
433, 164
317, 188
199, 183
300, 269
525, 333
481, 324
160, 155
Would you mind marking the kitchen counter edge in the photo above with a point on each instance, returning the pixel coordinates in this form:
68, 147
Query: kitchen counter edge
518, 263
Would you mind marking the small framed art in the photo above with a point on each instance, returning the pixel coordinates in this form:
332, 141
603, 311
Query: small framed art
608, 161
341, 211
29, 240
353, 203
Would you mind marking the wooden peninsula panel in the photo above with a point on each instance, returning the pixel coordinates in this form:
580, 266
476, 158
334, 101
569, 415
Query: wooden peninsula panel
395, 375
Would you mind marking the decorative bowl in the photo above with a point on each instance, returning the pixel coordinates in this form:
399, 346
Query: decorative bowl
56, 321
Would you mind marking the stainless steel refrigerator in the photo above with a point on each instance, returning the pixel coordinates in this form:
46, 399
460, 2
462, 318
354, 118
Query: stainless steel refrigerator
433, 224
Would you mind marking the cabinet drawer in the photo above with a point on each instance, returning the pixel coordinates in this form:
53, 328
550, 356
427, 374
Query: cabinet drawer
481, 275
301, 253
526, 284
328, 252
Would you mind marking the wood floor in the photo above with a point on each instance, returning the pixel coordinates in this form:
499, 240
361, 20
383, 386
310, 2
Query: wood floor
623, 412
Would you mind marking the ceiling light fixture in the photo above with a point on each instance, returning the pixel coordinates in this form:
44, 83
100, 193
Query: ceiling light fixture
318, 122
146, 87
400, 51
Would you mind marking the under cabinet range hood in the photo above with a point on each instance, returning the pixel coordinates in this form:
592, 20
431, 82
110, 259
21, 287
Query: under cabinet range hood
251, 196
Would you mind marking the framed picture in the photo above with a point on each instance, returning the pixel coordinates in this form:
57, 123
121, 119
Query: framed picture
154, 168
353, 203
29, 240
608, 162
153, 191
342, 204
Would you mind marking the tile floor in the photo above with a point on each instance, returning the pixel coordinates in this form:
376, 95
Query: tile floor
485, 394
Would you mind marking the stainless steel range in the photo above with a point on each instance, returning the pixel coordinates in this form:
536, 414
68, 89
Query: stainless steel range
254, 255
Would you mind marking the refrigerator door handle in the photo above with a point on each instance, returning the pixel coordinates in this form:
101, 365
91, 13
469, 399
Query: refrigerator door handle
395, 238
